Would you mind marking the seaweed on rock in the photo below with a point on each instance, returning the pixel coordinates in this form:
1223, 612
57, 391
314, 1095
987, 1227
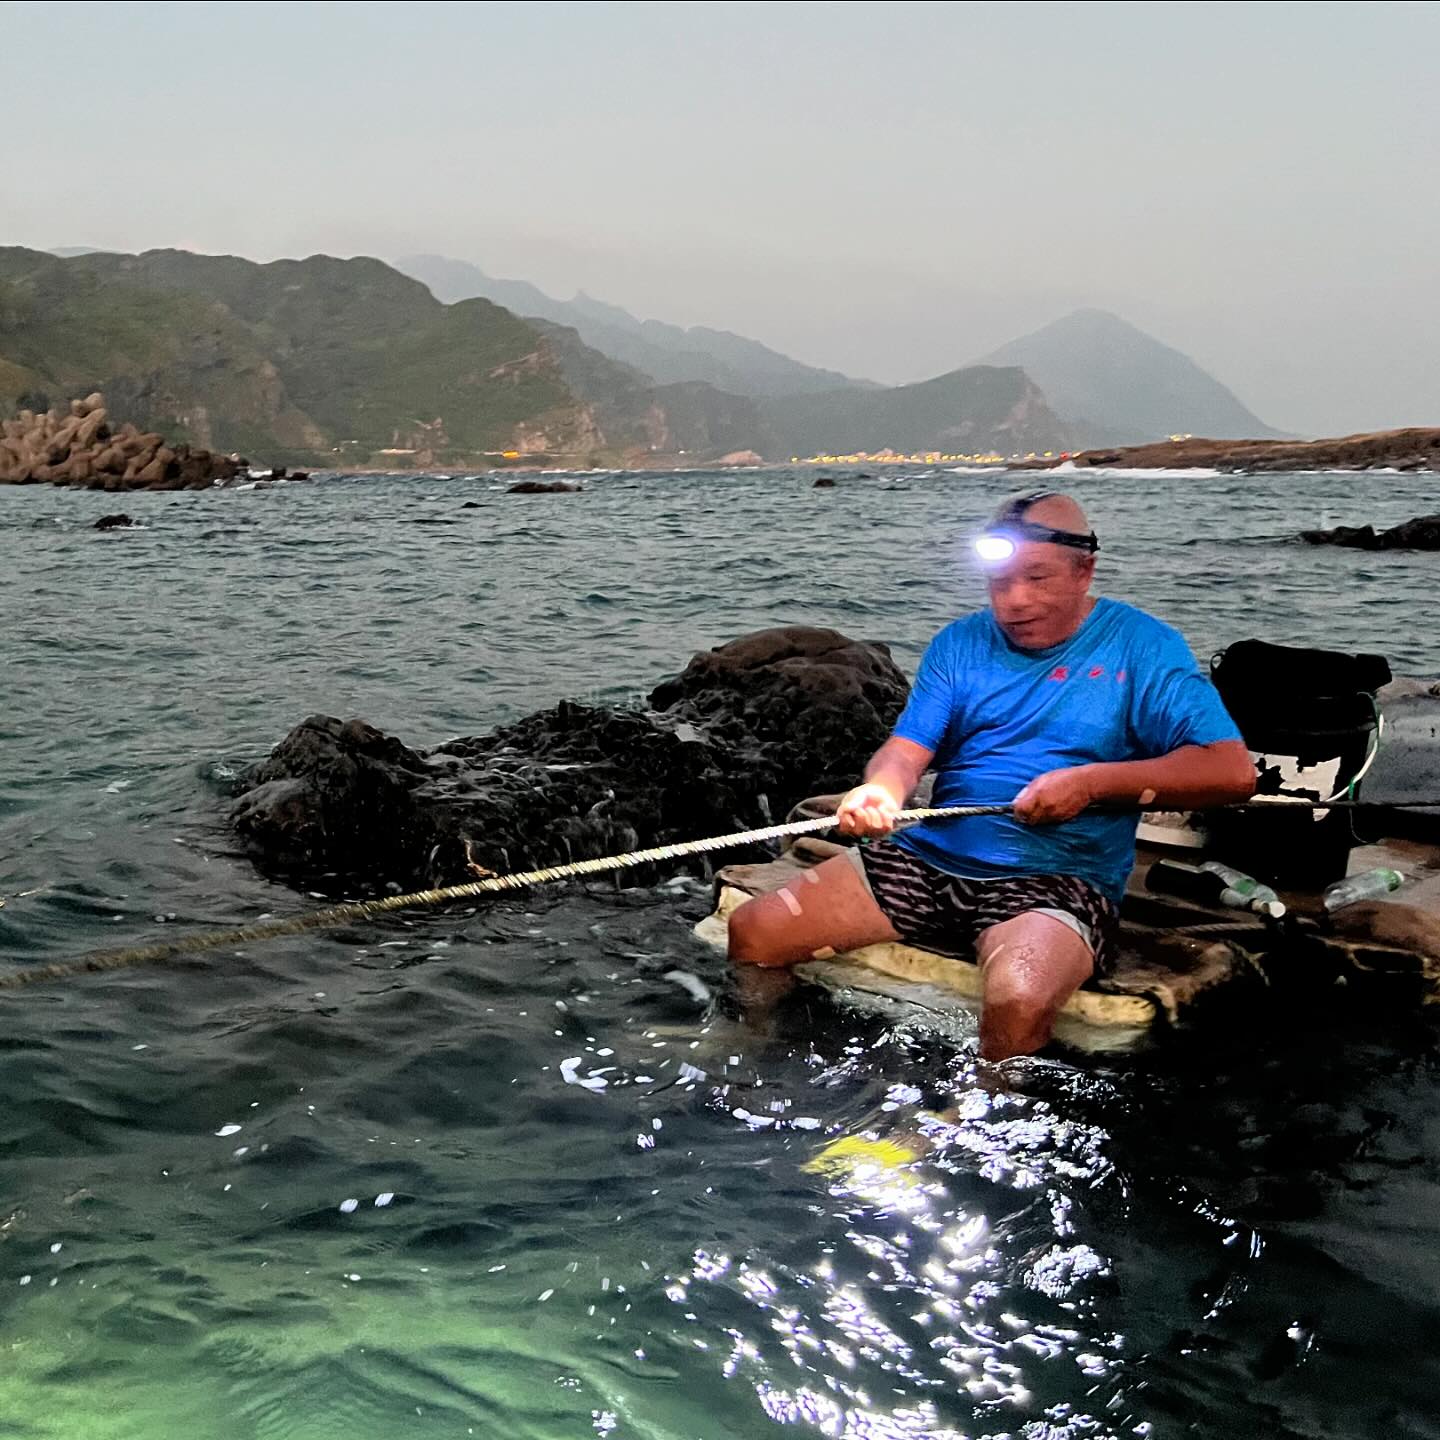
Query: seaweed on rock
739, 736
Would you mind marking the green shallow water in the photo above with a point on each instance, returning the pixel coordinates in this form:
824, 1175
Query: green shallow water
598, 1217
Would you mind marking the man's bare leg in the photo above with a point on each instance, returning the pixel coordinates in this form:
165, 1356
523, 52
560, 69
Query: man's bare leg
820, 912
1032, 965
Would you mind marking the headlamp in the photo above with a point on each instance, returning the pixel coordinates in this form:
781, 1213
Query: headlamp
993, 548
1002, 539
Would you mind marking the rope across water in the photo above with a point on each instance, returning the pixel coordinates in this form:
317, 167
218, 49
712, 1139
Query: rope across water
498, 884
469, 890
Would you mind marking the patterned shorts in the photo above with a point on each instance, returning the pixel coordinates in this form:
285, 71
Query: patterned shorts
945, 913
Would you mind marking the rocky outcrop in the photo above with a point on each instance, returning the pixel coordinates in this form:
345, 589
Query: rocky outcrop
738, 737
114, 522
1421, 533
1410, 449
741, 457
544, 487
80, 448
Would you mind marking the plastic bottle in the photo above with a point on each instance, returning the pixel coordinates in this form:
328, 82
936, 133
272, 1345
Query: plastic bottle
1369, 885
1249, 892
1214, 884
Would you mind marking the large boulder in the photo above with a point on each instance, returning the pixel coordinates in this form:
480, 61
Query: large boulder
799, 694
741, 735
1421, 533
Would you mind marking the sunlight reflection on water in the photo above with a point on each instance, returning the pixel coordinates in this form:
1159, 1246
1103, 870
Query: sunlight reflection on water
604, 1214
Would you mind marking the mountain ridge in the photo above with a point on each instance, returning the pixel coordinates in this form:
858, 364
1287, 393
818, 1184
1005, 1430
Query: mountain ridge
668, 353
316, 361
939, 415
1118, 385
348, 363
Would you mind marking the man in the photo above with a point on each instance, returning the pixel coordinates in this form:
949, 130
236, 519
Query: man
1048, 698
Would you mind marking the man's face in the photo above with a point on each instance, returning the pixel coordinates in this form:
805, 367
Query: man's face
1040, 595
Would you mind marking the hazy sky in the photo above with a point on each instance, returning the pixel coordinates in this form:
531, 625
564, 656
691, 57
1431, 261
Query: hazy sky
888, 189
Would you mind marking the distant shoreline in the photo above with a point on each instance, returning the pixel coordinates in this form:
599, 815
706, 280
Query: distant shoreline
1407, 449
1412, 449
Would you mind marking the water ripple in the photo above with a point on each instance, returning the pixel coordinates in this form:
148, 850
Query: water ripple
605, 1215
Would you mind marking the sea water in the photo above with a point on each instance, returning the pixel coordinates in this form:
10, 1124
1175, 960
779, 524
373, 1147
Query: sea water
496, 1172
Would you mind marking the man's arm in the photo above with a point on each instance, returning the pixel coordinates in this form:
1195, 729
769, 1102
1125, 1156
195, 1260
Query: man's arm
1190, 778
893, 772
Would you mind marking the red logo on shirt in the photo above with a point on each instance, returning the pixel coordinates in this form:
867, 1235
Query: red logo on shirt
1097, 671
1060, 672
1119, 674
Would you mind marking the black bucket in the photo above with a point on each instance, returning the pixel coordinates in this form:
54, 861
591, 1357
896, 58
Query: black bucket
1311, 720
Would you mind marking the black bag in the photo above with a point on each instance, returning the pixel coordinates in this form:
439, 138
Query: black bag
1311, 721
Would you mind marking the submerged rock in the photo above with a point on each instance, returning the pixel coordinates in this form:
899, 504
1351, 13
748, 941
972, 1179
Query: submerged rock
1421, 533
739, 736
113, 522
544, 487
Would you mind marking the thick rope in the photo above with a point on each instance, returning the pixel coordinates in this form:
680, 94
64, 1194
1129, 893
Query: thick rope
498, 884
471, 889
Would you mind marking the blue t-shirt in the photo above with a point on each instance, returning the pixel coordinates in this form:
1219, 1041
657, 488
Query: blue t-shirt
1124, 686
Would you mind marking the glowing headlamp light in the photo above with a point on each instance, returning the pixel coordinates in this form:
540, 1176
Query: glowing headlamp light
1003, 538
994, 548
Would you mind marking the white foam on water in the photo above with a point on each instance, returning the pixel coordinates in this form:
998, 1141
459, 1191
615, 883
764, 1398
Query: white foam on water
1134, 472
692, 984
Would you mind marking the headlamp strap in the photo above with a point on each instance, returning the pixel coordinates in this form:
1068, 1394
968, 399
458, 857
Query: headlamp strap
1012, 519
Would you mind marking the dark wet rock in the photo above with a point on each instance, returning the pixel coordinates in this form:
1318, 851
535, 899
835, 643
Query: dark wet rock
825, 482
113, 522
331, 792
1421, 533
744, 732
1357, 537
544, 487
472, 505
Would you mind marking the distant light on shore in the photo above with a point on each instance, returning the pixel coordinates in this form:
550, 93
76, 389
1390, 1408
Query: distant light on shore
928, 457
